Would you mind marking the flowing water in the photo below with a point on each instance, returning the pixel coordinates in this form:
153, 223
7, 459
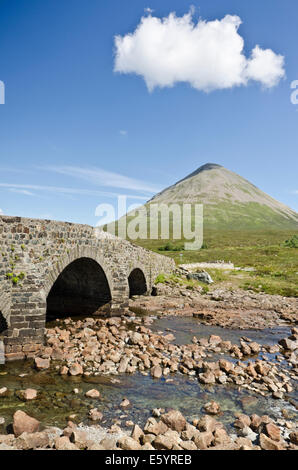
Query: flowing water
57, 400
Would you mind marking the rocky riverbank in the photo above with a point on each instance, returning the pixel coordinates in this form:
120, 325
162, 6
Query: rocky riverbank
235, 308
163, 431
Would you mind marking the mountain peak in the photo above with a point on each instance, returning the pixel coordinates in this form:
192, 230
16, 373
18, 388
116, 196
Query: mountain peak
229, 200
206, 167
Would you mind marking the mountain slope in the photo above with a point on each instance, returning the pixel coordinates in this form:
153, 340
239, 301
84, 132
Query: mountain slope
230, 201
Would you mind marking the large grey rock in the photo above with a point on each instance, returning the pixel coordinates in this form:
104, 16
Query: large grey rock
201, 276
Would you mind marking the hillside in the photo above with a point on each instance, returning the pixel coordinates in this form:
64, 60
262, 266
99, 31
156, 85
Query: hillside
230, 201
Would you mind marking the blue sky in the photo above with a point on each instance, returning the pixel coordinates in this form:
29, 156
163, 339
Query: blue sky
74, 133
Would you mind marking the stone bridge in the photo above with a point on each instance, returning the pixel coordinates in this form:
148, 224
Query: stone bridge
52, 269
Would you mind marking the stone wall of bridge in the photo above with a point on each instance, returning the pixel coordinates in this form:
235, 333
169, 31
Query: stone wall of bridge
58, 266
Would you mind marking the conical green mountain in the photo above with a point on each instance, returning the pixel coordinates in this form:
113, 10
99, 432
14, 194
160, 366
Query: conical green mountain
230, 202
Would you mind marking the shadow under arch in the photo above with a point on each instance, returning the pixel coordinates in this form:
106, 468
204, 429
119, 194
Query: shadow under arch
82, 288
3, 323
137, 282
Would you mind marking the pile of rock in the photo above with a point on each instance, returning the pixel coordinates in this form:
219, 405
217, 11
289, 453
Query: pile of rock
120, 345
173, 432
170, 432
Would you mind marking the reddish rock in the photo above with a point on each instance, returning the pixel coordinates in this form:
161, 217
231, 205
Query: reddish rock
294, 437
24, 423
64, 370
207, 423
273, 431
174, 420
28, 394
76, 369
27, 441
256, 422
154, 427
203, 440
225, 365
92, 393
125, 403
221, 438
269, 444
214, 340
42, 364
255, 347
95, 415
156, 372
242, 421
212, 408
63, 443
137, 433
128, 443
207, 378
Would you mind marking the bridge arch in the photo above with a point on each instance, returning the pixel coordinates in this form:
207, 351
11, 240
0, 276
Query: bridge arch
79, 283
81, 288
137, 282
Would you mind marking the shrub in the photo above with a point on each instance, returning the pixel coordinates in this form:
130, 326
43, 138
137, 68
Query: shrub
292, 242
161, 278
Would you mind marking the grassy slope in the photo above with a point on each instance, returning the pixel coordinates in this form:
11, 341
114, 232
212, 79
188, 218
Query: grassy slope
276, 265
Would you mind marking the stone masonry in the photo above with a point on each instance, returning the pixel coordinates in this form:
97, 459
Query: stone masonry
34, 254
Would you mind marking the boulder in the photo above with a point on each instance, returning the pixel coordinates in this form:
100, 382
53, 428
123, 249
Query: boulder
174, 420
137, 433
93, 393
155, 427
42, 364
128, 443
207, 378
95, 415
201, 276
203, 440
63, 443
28, 394
156, 372
272, 431
269, 444
27, 441
212, 408
24, 423
294, 437
3, 392
164, 443
207, 424
76, 369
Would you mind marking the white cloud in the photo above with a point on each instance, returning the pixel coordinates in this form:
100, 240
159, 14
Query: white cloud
207, 54
25, 192
265, 66
1, 212
67, 191
123, 132
101, 177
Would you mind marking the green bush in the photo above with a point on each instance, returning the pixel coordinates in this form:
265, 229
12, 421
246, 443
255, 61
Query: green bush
292, 242
171, 247
161, 279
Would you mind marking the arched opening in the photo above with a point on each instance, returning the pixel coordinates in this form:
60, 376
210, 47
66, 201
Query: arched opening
3, 323
81, 289
137, 283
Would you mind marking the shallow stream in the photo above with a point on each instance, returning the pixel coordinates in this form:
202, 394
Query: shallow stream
57, 401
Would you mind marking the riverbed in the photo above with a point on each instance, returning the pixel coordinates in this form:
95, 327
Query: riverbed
57, 401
